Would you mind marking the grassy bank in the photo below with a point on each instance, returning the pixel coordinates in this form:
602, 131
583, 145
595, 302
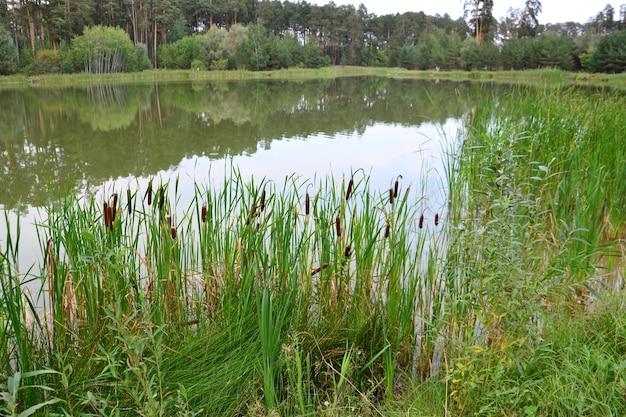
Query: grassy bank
330, 298
531, 77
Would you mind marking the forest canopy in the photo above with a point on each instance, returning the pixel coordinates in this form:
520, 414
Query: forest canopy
57, 36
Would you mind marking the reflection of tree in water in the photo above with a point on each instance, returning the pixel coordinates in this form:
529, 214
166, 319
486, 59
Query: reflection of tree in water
74, 135
108, 107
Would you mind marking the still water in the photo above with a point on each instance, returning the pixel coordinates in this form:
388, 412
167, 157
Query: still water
104, 137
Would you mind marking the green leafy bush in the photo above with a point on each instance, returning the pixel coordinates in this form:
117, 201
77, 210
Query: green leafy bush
103, 50
143, 61
48, 61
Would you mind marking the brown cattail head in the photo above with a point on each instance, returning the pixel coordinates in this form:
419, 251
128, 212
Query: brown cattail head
421, 224
338, 226
436, 219
168, 218
107, 214
387, 230
203, 215
251, 213
113, 208
262, 205
391, 196
347, 251
161, 198
149, 193
173, 232
349, 190
396, 185
114, 205
307, 204
129, 199
318, 269
111, 217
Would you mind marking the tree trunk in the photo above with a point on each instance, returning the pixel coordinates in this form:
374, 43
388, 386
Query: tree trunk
211, 14
154, 52
31, 27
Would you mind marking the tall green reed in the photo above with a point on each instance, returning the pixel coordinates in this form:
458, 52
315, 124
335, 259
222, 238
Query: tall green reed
534, 212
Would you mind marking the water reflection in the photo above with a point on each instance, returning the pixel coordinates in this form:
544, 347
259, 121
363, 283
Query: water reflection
54, 137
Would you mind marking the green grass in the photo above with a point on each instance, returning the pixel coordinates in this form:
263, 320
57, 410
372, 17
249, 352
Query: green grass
329, 298
540, 77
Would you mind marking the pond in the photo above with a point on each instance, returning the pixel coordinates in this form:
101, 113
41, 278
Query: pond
103, 137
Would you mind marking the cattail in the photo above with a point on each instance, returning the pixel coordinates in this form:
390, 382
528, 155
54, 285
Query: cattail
161, 198
387, 230
338, 226
129, 198
203, 215
106, 213
349, 190
307, 204
395, 186
149, 193
173, 232
347, 251
318, 269
168, 218
251, 213
113, 208
437, 219
421, 225
111, 217
262, 205
391, 196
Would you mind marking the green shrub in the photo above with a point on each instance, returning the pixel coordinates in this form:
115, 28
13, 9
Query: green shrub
198, 65
219, 65
143, 61
103, 50
180, 54
47, 61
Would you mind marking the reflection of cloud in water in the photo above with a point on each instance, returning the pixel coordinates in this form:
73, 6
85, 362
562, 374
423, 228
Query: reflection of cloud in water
383, 151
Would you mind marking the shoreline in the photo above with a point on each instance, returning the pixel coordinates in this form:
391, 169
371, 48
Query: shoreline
542, 77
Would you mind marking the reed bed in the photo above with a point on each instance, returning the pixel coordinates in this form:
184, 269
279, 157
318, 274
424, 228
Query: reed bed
537, 203
325, 297
304, 293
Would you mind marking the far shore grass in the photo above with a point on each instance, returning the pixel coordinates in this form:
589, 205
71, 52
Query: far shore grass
533, 77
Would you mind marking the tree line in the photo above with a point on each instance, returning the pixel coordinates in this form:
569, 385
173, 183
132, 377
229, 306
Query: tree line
39, 36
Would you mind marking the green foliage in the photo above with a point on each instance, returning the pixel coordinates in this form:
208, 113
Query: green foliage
407, 58
8, 53
610, 54
143, 60
470, 55
102, 50
48, 61
180, 54
312, 56
253, 52
12, 391
213, 48
219, 65
530, 202
197, 65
